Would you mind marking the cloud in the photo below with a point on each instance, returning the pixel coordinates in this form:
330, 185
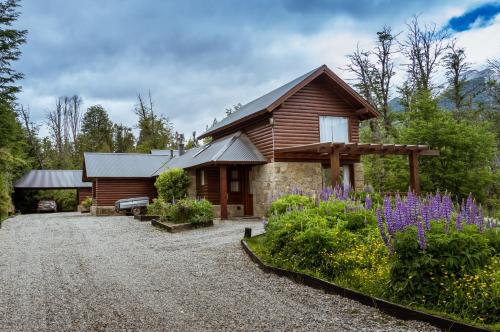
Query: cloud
478, 17
196, 57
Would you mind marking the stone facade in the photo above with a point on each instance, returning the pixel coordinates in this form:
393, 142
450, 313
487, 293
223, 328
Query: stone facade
105, 211
272, 180
359, 177
233, 210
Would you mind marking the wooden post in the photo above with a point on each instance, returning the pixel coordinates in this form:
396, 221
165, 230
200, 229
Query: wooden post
414, 181
335, 167
223, 191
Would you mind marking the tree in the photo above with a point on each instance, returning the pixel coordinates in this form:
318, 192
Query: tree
466, 150
123, 138
456, 66
373, 71
424, 48
10, 41
155, 132
172, 184
97, 130
31, 130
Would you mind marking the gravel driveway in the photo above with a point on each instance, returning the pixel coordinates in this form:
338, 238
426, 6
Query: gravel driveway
69, 271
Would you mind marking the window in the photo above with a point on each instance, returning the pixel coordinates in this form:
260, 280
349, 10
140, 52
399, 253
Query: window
202, 177
333, 129
235, 181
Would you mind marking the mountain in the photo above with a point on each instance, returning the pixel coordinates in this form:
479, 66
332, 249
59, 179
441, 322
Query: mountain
475, 84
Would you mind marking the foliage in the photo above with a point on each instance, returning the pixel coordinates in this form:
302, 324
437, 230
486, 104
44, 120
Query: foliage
172, 184
87, 203
289, 202
427, 252
185, 210
97, 130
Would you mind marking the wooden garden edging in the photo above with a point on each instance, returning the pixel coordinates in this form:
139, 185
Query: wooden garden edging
392, 309
174, 228
145, 217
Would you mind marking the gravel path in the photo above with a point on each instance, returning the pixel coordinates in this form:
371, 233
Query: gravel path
69, 271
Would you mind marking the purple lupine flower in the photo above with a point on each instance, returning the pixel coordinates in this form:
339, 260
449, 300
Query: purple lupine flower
426, 216
316, 200
380, 223
459, 226
421, 235
368, 202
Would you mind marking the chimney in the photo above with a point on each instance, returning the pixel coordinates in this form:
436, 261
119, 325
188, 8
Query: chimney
171, 153
181, 149
180, 143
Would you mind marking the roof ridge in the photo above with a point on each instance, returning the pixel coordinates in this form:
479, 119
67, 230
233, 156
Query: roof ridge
227, 145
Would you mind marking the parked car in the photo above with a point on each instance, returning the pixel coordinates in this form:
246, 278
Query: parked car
136, 205
46, 205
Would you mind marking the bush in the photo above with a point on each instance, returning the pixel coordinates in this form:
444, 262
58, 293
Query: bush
290, 202
87, 203
186, 210
172, 184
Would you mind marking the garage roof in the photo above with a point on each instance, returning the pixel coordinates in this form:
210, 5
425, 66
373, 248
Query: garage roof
122, 165
52, 179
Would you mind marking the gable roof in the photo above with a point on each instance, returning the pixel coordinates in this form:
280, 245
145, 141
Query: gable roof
121, 165
234, 148
271, 100
51, 179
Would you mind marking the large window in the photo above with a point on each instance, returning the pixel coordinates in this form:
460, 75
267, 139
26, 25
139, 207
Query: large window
333, 129
234, 185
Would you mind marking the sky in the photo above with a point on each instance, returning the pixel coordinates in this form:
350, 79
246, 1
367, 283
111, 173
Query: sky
199, 57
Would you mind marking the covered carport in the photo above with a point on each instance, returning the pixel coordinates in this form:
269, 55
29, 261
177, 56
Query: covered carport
54, 180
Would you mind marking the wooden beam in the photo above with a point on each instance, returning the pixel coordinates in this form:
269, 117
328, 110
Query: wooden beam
335, 167
414, 180
223, 191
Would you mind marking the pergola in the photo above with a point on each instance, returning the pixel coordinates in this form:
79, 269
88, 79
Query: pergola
336, 151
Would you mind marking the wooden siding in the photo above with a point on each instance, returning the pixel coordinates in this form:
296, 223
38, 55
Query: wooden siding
83, 193
296, 122
261, 135
109, 190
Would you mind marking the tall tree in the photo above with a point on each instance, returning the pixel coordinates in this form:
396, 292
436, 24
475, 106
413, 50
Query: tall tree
155, 131
123, 138
456, 66
373, 71
10, 41
97, 130
424, 48
31, 130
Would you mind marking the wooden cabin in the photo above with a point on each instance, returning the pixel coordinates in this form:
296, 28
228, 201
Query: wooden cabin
303, 135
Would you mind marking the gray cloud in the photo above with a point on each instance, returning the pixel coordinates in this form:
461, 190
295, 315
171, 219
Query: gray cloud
196, 57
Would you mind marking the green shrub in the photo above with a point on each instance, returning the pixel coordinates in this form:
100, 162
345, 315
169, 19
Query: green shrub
172, 184
290, 202
185, 210
64, 198
87, 203
444, 275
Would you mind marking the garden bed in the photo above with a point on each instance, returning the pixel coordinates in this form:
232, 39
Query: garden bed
175, 228
145, 217
393, 309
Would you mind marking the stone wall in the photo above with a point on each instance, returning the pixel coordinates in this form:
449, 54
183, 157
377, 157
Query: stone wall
272, 180
233, 210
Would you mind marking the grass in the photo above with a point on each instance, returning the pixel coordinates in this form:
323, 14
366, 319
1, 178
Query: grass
257, 245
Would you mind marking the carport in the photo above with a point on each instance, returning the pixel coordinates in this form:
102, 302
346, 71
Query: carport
55, 179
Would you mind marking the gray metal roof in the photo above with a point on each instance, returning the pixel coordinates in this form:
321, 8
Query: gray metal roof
118, 165
48, 179
260, 103
234, 148
167, 152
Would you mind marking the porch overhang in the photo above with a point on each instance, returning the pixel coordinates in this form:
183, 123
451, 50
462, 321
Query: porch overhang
334, 152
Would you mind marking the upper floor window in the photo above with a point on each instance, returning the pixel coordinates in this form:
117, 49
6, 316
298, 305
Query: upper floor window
333, 129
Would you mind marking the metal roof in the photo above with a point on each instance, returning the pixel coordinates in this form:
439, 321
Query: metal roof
122, 165
259, 104
167, 152
234, 148
52, 179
